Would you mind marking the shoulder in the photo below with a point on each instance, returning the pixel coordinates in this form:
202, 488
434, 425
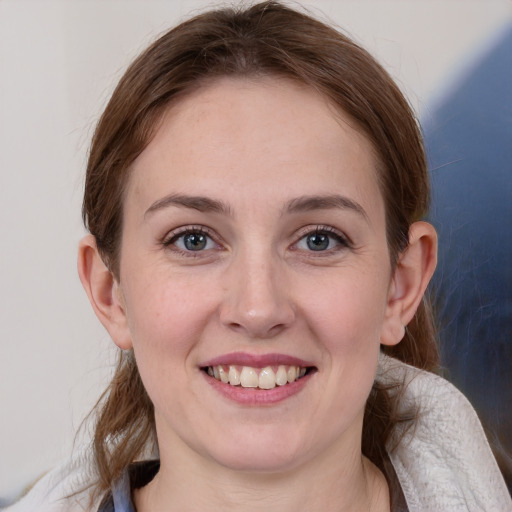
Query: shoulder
444, 462
66, 488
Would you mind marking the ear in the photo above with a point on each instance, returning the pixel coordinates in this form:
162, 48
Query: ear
104, 292
415, 267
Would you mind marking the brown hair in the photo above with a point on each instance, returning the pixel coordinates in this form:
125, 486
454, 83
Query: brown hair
265, 39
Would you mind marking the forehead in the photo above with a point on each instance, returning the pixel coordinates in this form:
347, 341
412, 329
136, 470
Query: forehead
252, 133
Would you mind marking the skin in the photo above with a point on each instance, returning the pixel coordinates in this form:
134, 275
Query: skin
256, 149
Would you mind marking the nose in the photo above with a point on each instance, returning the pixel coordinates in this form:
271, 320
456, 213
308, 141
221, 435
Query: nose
257, 301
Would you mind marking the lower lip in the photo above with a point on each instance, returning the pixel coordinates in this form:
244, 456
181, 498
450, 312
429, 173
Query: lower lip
256, 396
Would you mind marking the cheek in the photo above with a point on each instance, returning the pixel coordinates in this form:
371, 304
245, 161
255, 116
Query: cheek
348, 311
166, 316
166, 322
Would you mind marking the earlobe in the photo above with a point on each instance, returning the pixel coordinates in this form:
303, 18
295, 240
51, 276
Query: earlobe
413, 272
104, 292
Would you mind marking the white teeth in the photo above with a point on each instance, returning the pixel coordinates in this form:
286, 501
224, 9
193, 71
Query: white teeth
267, 379
224, 375
234, 376
264, 378
292, 373
249, 377
281, 376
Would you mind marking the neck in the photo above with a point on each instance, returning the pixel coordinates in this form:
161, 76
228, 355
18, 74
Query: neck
339, 484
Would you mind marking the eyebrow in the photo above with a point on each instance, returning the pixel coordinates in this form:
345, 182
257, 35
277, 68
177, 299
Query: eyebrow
200, 203
297, 205
327, 202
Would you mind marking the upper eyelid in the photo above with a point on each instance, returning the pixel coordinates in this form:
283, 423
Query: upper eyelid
299, 234
184, 230
321, 228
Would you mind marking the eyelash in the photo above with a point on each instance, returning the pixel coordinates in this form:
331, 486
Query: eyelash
172, 238
342, 241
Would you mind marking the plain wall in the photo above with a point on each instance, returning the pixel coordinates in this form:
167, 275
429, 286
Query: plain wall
59, 61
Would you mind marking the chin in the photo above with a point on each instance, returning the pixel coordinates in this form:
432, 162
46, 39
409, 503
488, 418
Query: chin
260, 454
264, 463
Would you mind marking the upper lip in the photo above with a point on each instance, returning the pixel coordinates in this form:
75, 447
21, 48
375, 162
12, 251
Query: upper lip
256, 360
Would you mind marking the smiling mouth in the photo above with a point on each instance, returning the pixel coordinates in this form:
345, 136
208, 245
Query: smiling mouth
260, 378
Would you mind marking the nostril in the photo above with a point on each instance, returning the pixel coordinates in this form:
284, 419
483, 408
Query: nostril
277, 329
257, 331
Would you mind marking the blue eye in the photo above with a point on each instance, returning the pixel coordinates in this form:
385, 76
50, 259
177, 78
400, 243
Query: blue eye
191, 241
195, 241
321, 240
318, 241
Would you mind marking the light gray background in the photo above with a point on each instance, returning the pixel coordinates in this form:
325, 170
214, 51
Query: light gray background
59, 61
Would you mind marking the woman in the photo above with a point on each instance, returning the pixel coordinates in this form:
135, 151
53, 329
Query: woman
254, 197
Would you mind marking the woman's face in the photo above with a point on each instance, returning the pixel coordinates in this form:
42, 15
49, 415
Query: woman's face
254, 243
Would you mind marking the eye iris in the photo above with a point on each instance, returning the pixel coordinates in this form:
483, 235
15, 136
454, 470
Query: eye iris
194, 241
318, 241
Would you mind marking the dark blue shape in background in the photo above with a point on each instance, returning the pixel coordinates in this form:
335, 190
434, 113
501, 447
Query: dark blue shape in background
469, 147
